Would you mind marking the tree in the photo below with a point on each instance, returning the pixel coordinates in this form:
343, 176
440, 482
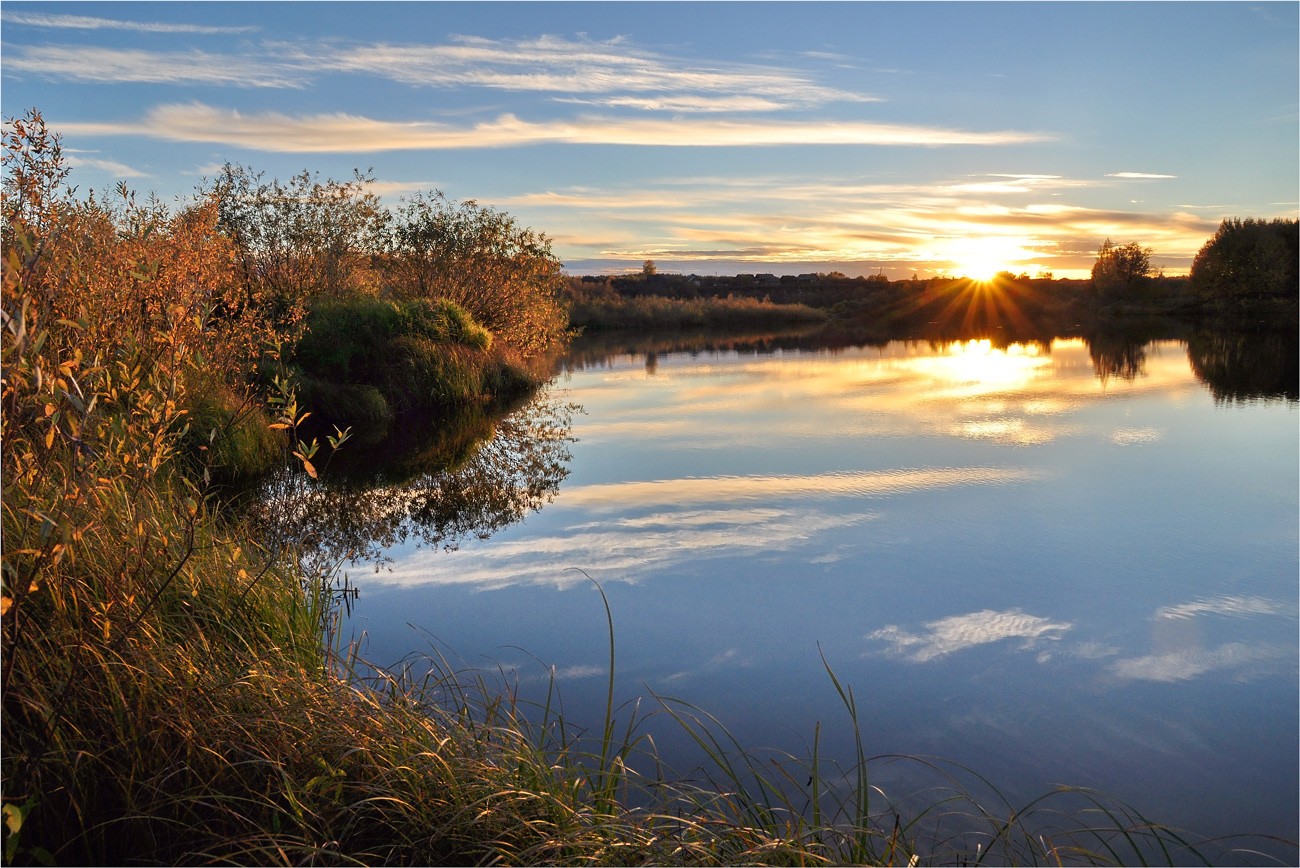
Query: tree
1120, 268
648, 269
1248, 261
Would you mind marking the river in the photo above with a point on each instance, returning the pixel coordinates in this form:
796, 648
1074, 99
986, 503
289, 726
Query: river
1071, 560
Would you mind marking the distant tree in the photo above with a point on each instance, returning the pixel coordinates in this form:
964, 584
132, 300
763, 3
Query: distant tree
648, 268
1120, 268
1247, 261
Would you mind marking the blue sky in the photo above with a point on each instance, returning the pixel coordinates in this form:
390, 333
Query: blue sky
910, 137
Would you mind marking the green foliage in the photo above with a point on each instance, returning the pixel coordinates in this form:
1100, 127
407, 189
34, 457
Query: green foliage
228, 434
1248, 263
364, 360
444, 321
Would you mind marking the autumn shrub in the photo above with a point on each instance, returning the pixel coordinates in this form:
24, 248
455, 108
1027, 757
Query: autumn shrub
300, 240
504, 275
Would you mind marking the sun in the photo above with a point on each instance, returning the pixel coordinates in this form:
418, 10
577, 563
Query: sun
982, 258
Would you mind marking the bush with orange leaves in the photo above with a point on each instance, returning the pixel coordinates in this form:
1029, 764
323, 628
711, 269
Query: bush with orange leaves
106, 282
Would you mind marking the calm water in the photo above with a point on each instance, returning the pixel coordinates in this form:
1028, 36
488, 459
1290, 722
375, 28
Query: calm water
1053, 562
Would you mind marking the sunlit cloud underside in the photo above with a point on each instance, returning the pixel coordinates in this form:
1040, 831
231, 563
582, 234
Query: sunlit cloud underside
345, 133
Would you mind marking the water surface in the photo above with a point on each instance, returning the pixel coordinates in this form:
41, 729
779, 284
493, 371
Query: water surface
1057, 562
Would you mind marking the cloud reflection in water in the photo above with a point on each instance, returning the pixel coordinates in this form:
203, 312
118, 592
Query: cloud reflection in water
959, 632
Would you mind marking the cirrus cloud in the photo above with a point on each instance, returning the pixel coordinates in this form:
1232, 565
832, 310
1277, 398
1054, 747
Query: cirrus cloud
87, 22
345, 133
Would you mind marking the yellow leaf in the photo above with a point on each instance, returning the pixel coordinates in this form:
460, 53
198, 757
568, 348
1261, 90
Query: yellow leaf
49, 409
278, 426
5, 603
49, 438
311, 471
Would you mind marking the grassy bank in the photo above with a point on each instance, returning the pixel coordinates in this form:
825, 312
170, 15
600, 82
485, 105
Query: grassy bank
608, 310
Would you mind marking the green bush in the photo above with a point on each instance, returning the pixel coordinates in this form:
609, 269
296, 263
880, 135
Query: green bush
364, 360
443, 320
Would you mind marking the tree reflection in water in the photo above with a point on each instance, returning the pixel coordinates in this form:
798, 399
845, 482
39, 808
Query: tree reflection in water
471, 474
1240, 367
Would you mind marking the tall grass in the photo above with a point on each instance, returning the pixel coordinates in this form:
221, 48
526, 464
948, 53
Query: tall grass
612, 311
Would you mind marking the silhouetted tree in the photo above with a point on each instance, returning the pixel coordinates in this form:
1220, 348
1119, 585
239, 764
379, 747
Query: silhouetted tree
648, 268
1248, 261
1120, 268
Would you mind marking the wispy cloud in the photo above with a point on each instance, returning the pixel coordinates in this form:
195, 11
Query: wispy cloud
112, 167
92, 64
1139, 175
86, 22
613, 74
960, 632
733, 489
627, 549
343, 133
683, 103
559, 65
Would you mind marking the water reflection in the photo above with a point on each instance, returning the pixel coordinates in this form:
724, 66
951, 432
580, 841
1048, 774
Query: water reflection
956, 633
467, 475
1053, 557
1241, 367
1237, 366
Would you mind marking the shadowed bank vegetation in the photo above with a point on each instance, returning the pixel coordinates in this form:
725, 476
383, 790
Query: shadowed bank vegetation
171, 692
602, 307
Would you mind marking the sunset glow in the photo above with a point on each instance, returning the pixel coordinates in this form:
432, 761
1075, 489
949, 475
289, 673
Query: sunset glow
981, 258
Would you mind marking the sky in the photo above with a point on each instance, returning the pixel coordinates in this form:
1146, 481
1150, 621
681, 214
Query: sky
714, 138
